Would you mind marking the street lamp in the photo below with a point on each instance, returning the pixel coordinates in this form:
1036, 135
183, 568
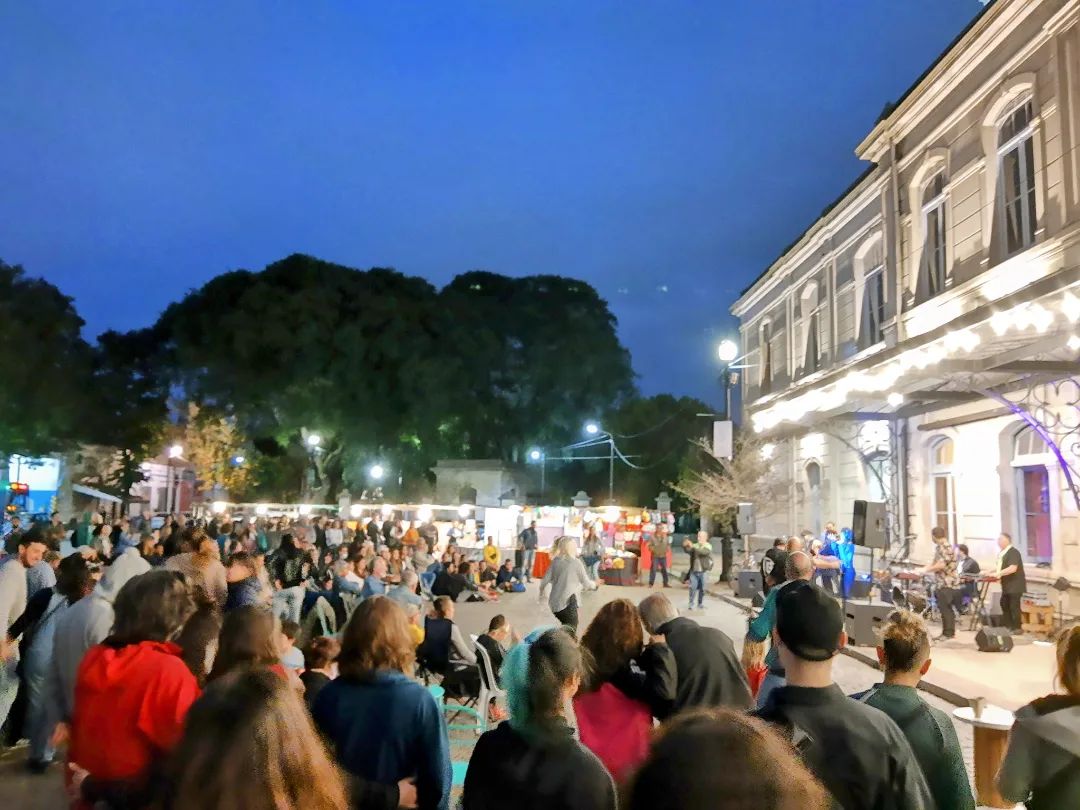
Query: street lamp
376, 471
238, 460
593, 429
172, 487
727, 351
536, 454
313, 440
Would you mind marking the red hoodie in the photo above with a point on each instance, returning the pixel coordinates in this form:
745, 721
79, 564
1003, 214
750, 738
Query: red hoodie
130, 705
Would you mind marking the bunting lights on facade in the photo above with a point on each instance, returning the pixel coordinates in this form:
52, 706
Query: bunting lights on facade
1026, 317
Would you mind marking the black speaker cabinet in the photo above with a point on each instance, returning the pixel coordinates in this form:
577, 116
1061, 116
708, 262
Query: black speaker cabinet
749, 584
994, 639
868, 525
862, 620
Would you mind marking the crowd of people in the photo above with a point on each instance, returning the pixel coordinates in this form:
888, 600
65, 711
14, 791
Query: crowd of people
288, 666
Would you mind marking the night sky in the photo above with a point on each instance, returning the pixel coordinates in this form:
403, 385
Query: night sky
665, 151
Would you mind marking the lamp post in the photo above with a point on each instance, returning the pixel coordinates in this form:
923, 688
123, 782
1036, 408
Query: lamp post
171, 487
537, 455
593, 429
728, 352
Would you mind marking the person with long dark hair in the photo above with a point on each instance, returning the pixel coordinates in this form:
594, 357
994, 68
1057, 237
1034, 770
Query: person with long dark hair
532, 761
618, 698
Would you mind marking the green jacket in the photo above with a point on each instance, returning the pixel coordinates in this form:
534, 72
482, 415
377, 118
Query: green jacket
933, 739
761, 626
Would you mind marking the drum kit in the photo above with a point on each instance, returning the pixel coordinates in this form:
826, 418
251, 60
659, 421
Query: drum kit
918, 593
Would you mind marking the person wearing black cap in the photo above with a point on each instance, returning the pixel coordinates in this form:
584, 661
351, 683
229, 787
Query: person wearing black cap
857, 751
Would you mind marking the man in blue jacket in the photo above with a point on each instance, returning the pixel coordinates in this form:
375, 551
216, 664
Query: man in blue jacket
798, 567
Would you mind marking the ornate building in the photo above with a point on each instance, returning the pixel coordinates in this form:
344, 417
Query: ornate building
918, 344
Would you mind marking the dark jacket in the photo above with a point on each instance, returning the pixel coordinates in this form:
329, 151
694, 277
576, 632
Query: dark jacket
494, 651
933, 741
541, 772
709, 671
434, 652
1042, 765
313, 685
386, 728
245, 592
447, 584
857, 752
653, 680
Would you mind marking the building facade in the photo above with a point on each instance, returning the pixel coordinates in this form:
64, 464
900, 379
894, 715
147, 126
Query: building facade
918, 344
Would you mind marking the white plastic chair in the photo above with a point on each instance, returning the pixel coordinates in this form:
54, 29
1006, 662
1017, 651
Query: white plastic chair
489, 687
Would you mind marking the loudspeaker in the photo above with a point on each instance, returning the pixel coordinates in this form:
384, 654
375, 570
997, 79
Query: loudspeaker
862, 620
744, 519
868, 525
994, 639
749, 584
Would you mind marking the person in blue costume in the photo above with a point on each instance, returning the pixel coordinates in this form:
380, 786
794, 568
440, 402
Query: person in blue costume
846, 552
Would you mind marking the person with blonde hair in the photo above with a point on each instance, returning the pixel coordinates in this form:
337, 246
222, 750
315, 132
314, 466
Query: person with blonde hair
1042, 764
904, 655
566, 578
202, 566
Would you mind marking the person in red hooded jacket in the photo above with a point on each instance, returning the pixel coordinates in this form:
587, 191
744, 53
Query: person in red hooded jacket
133, 690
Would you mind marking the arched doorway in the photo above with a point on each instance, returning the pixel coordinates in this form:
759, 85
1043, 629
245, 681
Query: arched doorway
943, 490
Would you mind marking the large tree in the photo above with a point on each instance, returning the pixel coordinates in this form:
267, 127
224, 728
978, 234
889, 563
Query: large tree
535, 357
44, 364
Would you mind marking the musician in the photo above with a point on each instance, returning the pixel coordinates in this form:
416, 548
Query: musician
968, 570
1010, 570
944, 570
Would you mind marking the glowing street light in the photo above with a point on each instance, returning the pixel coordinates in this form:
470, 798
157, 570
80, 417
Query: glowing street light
313, 440
895, 399
727, 351
176, 451
535, 454
592, 428
238, 460
377, 472
464, 510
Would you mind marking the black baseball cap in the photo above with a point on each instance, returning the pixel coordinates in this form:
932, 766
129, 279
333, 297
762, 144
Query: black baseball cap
808, 621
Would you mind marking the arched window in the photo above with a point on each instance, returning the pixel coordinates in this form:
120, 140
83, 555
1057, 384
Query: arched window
1016, 178
1028, 443
932, 266
1032, 461
811, 321
943, 489
870, 291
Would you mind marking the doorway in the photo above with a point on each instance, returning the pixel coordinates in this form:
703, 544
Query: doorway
1033, 495
813, 486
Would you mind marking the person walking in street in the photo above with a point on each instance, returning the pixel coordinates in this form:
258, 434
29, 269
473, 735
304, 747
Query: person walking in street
708, 671
659, 546
289, 575
1042, 763
857, 751
1010, 571
948, 581
566, 578
29, 550
527, 541
904, 655
701, 562
798, 567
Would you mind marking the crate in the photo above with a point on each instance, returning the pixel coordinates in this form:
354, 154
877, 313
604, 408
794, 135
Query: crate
1036, 619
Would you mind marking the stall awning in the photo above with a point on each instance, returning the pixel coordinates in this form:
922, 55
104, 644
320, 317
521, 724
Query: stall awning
90, 492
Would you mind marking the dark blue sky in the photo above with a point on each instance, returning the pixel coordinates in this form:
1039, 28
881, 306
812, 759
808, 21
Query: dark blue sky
665, 151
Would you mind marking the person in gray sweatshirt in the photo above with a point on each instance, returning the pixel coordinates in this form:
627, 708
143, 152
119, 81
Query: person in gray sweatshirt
1042, 764
79, 627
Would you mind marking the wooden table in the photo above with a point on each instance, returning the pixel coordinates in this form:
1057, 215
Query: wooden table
991, 740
